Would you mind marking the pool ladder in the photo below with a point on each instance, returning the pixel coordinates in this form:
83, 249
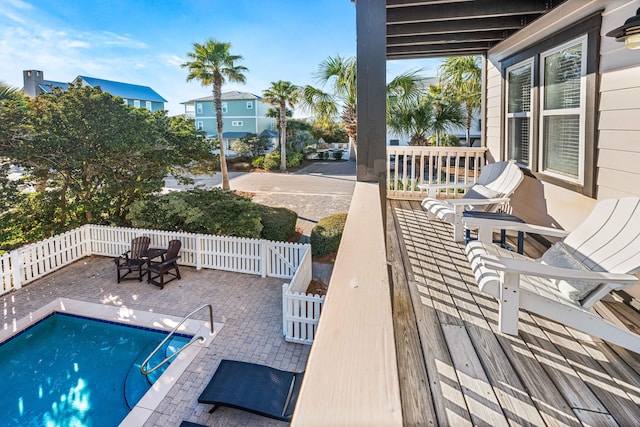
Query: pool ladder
201, 339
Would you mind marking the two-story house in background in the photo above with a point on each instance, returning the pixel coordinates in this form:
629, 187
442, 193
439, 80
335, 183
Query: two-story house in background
134, 95
243, 113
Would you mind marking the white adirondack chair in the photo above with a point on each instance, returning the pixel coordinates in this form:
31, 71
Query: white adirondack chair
496, 183
602, 254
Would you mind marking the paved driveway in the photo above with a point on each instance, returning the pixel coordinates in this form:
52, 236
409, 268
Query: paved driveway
321, 189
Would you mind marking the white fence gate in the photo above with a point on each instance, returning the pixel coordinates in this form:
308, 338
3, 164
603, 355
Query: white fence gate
300, 311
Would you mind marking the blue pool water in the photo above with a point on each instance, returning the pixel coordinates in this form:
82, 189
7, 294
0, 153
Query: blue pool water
73, 371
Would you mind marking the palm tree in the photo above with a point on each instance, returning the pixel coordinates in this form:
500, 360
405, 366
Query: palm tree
462, 80
9, 93
213, 64
411, 118
340, 74
280, 94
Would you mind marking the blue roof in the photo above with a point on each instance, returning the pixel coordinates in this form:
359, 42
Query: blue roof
124, 90
48, 85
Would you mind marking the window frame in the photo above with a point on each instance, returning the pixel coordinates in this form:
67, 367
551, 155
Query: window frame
136, 103
580, 111
199, 107
199, 125
530, 62
237, 123
588, 27
148, 105
249, 105
225, 108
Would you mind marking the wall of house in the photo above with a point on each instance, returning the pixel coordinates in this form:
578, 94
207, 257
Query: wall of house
237, 111
618, 138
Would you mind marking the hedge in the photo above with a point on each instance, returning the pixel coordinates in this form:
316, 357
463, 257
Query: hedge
326, 235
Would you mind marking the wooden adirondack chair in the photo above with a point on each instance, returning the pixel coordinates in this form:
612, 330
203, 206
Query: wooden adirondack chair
167, 267
132, 260
601, 255
496, 183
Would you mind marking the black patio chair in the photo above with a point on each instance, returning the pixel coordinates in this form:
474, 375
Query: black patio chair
167, 267
133, 260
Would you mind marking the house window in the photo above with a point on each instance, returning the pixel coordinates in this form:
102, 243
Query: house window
148, 105
550, 101
224, 107
125, 101
249, 105
236, 123
200, 126
136, 103
562, 111
519, 112
199, 107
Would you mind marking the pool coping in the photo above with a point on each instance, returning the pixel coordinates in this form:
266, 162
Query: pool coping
125, 315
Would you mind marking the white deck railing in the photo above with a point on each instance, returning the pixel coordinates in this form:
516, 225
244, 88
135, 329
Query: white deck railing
409, 166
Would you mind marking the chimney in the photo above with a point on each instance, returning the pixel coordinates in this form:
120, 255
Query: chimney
32, 78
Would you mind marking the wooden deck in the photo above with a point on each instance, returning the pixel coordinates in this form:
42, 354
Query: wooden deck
456, 369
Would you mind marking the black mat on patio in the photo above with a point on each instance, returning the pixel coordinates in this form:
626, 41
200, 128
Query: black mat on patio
255, 388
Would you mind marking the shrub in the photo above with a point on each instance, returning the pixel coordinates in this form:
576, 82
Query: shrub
337, 155
277, 223
446, 140
211, 211
258, 162
272, 160
294, 159
323, 155
326, 235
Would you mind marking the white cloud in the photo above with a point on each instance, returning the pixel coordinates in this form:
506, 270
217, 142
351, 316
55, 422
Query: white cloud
120, 40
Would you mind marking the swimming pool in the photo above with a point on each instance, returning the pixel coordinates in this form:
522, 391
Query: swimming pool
70, 370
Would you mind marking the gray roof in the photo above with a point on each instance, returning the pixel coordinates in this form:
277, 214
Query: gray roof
227, 96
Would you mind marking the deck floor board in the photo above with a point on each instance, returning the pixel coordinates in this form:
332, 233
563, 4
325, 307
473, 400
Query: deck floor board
548, 375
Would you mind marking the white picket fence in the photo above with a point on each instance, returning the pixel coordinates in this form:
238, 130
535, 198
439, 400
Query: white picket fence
252, 256
300, 311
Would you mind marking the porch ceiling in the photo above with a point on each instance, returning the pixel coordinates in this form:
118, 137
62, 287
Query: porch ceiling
437, 28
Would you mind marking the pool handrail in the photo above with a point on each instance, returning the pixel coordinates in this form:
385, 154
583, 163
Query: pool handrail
201, 339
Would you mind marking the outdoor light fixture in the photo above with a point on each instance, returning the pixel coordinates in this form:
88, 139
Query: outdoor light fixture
629, 32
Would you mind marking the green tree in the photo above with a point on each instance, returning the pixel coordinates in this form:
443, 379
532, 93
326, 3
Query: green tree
213, 64
92, 156
461, 77
412, 118
340, 74
251, 145
281, 94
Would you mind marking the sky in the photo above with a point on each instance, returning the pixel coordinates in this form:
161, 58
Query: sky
144, 42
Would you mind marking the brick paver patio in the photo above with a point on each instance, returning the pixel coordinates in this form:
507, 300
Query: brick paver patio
250, 307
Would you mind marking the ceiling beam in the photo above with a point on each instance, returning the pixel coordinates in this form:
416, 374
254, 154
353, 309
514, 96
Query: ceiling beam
476, 52
445, 49
467, 10
481, 24
404, 3
489, 36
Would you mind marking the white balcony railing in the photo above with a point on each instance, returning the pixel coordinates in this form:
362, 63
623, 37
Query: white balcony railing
408, 166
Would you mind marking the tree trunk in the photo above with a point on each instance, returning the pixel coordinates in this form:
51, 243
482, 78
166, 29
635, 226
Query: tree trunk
283, 135
468, 124
217, 101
